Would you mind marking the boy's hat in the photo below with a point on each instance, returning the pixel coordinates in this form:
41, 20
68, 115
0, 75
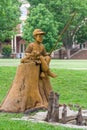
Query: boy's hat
38, 31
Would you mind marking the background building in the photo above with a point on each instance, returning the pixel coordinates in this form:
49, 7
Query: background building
17, 43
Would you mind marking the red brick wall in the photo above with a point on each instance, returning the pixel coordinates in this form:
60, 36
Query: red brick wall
82, 54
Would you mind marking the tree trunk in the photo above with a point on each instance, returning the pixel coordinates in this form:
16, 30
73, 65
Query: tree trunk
28, 90
68, 53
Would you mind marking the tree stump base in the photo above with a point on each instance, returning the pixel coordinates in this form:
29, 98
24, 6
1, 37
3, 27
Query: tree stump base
28, 90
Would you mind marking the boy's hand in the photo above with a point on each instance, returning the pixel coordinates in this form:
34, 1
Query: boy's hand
48, 54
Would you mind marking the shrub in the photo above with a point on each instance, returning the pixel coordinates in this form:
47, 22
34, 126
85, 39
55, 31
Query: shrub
6, 50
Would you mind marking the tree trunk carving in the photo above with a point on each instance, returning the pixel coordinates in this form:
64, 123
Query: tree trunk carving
28, 90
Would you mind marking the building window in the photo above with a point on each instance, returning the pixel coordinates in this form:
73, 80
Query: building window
22, 48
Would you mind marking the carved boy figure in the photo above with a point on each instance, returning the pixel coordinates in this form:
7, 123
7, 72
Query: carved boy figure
36, 52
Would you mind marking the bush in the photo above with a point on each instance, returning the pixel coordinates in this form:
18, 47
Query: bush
6, 50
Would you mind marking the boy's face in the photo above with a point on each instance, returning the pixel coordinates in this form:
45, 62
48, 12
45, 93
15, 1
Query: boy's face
39, 38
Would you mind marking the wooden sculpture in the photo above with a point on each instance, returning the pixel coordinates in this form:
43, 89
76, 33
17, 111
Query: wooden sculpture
31, 85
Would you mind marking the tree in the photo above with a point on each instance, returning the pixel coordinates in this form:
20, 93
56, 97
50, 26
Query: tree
81, 32
6, 50
9, 18
40, 17
62, 11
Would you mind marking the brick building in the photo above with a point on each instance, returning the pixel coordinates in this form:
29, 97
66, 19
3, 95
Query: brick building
77, 52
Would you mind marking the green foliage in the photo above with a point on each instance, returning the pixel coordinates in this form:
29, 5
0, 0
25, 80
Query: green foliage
9, 18
6, 50
81, 34
40, 17
62, 10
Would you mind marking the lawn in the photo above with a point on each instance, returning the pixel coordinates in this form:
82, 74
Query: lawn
71, 84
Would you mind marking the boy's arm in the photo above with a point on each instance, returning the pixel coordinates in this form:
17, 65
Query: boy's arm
29, 49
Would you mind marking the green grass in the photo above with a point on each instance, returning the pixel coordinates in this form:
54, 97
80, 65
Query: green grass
9, 62
6, 77
69, 64
71, 84
8, 124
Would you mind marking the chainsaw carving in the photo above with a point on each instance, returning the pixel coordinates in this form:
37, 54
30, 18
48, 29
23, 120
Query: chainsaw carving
31, 85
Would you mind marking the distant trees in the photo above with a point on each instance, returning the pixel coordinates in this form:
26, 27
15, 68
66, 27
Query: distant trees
81, 32
6, 51
40, 17
9, 18
62, 10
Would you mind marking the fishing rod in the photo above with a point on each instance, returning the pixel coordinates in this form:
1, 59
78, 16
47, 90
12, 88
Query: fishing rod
63, 31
